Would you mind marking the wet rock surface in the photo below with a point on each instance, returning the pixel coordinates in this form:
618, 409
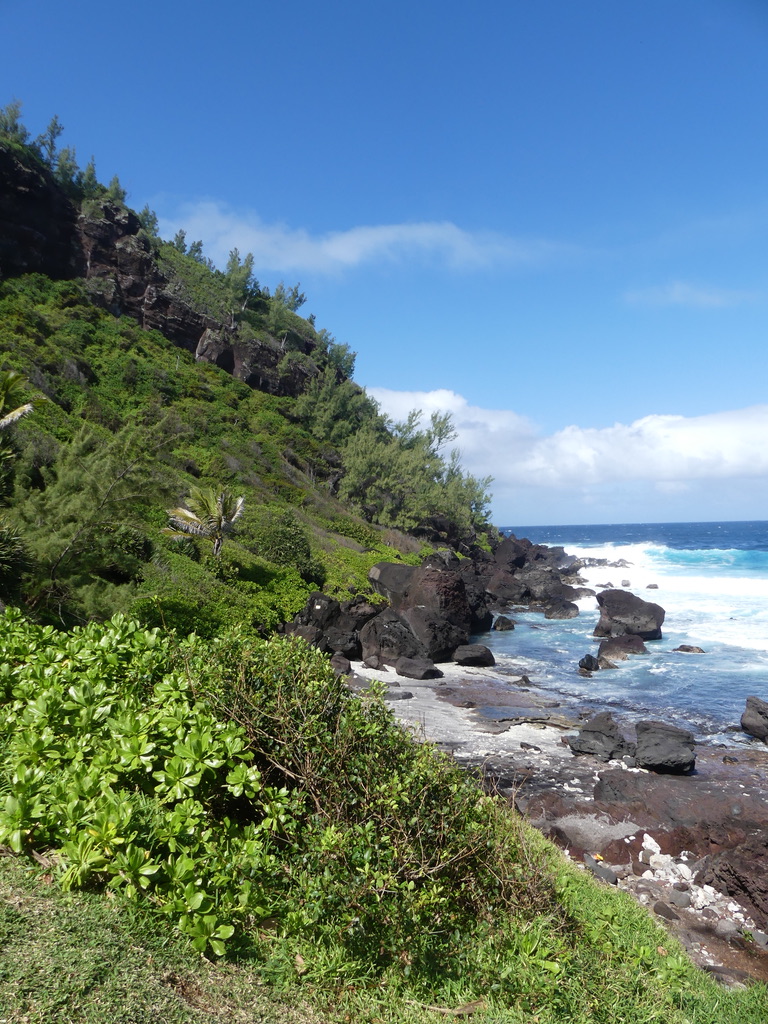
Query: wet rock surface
755, 718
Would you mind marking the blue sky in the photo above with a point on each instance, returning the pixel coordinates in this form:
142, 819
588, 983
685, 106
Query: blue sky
549, 218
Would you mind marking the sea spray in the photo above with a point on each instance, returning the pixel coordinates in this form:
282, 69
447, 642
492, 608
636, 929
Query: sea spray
712, 580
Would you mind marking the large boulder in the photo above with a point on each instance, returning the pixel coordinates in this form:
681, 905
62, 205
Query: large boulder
391, 580
622, 612
474, 654
510, 554
600, 736
388, 637
589, 663
435, 607
544, 584
438, 636
320, 611
559, 608
355, 613
664, 748
474, 577
755, 718
505, 588
341, 641
503, 624
618, 648
417, 668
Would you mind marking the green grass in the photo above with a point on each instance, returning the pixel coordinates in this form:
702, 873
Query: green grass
80, 958
83, 958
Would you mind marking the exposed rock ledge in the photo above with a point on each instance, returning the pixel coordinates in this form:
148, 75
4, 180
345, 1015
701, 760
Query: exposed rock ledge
693, 848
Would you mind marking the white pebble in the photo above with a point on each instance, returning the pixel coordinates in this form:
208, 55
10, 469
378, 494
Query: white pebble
650, 844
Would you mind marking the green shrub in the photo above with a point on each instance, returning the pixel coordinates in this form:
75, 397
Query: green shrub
236, 788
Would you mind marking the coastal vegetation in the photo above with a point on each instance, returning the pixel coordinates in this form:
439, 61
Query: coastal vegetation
201, 822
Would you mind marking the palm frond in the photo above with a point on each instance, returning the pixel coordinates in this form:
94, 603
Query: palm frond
12, 417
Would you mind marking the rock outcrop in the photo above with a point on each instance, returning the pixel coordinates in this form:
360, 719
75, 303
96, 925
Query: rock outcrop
664, 748
38, 223
755, 718
623, 613
601, 737
434, 608
43, 231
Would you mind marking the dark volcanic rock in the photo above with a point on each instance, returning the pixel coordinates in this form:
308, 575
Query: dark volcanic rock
474, 575
435, 607
590, 663
559, 608
601, 737
309, 633
755, 718
320, 611
742, 872
619, 647
438, 636
38, 223
510, 554
622, 612
506, 588
473, 654
340, 665
387, 636
42, 231
544, 584
503, 623
354, 614
417, 668
664, 748
688, 649
342, 641
391, 580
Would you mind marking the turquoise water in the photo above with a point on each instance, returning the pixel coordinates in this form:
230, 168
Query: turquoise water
712, 581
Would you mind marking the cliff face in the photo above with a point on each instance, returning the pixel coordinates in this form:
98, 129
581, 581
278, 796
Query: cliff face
42, 231
38, 223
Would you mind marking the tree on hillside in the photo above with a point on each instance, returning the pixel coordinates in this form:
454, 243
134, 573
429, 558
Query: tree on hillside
208, 513
11, 126
13, 408
291, 298
241, 284
12, 393
47, 143
13, 554
82, 520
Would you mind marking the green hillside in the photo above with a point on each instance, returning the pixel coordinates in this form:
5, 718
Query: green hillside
133, 420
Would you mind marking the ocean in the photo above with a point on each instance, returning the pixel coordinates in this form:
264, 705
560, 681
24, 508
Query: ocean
712, 581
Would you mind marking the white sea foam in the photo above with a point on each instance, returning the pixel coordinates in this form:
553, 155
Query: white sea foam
715, 605
716, 599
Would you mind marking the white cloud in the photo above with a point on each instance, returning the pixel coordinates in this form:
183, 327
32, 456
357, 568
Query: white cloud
278, 247
669, 455
679, 293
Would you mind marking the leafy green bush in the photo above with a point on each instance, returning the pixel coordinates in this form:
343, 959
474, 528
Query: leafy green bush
235, 787
235, 780
115, 765
277, 534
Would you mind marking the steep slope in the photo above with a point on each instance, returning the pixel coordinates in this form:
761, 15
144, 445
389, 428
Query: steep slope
162, 373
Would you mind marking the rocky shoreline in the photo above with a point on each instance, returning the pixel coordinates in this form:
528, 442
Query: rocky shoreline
689, 838
691, 847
